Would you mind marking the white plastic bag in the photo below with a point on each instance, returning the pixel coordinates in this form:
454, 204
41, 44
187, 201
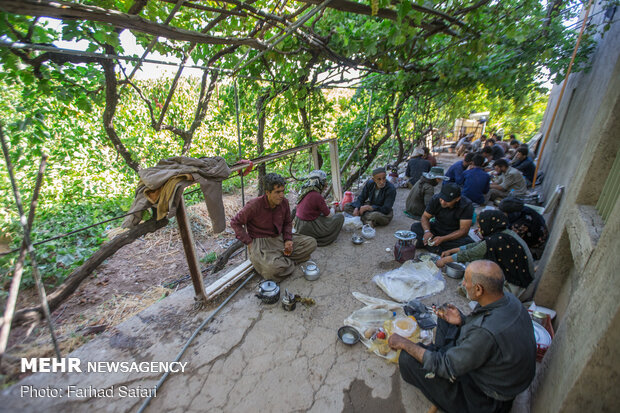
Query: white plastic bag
412, 280
377, 314
352, 223
375, 302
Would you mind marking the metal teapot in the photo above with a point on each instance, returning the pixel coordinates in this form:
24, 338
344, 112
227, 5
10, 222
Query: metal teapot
311, 270
268, 292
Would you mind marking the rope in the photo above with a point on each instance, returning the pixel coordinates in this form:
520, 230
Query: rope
73, 232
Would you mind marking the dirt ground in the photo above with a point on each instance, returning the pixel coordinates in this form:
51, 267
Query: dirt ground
135, 277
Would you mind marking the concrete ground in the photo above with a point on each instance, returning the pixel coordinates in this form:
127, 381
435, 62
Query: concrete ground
251, 357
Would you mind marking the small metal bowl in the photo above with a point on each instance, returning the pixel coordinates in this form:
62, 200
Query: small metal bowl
348, 335
455, 270
357, 239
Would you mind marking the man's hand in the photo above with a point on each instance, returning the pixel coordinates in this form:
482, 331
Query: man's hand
397, 342
427, 236
364, 209
449, 252
249, 245
443, 261
437, 241
450, 313
288, 247
356, 212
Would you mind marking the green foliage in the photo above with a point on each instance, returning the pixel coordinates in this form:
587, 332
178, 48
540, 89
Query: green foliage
209, 258
496, 59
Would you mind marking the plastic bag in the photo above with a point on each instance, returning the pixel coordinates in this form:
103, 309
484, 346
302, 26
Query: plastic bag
375, 302
352, 223
377, 315
412, 280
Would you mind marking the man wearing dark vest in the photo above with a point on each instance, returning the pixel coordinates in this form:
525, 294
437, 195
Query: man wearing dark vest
480, 362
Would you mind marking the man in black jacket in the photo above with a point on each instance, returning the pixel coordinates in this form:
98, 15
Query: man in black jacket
416, 166
478, 363
374, 203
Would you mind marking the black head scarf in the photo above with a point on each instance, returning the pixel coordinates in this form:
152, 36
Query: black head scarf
512, 207
504, 249
526, 222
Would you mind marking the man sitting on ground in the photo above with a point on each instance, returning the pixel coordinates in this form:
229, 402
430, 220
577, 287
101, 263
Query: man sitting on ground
524, 163
265, 226
374, 203
475, 181
487, 154
429, 156
422, 192
480, 362
464, 144
456, 170
514, 145
510, 182
453, 216
478, 143
498, 151
416, 167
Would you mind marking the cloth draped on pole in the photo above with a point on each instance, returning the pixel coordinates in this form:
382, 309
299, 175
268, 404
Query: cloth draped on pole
163, 185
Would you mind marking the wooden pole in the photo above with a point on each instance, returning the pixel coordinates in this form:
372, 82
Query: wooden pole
335, 163
315, 157
187, 237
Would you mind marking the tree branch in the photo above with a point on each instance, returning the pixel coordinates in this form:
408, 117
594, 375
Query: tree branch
111, 100
70, 11
357, 8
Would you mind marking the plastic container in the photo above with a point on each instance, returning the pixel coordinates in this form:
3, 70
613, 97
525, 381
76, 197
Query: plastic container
348, 198
404, 326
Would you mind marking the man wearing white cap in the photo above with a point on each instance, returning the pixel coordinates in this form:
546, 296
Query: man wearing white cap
417, 166
423, 191
374, 204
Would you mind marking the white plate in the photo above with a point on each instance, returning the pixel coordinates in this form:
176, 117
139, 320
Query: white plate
541, 335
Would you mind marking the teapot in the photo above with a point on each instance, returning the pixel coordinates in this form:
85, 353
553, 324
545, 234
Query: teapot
311, 270
268, 292
368, 232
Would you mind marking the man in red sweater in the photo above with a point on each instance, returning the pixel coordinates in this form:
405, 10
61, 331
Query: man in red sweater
265, 226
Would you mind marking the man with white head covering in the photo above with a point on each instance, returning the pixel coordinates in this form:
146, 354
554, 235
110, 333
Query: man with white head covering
312, 216
423, 191
417, 166
374, 204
